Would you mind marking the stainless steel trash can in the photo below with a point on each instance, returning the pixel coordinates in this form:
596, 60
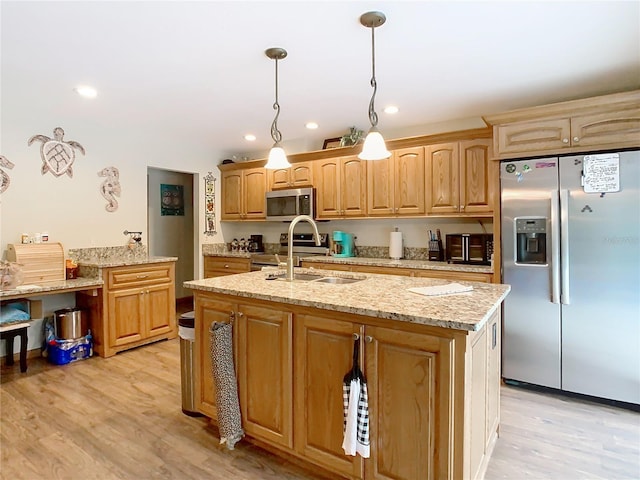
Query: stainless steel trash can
70, 324
186, 332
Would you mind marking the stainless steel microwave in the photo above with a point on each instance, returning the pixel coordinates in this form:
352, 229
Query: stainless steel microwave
283, 205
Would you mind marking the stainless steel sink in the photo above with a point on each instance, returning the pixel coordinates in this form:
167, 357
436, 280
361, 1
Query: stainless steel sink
338, 280
307, 276
318, 278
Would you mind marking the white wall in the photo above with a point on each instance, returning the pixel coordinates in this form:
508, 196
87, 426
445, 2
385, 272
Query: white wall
72, 210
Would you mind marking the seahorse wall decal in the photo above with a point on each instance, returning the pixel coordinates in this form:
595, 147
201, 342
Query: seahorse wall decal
110, 188
4, 177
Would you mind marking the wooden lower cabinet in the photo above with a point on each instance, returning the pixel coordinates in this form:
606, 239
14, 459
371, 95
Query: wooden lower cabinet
453, 275
323, 354
217, 266
208, 310
137, 305
433, 392
265, 373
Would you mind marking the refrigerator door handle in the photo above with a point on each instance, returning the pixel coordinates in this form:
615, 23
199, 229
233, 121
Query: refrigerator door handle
564, 245
555, 248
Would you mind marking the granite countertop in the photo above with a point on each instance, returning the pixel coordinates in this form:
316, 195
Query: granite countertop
380, 296
62, 286
387, 262
228, 254
122, 261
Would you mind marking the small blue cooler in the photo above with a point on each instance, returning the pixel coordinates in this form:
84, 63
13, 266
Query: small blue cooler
61, 352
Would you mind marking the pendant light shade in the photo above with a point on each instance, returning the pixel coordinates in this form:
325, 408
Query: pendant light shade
277, 157
374, 147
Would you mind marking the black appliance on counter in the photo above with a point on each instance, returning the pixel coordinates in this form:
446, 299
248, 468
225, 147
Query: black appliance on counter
469, 248
255, 244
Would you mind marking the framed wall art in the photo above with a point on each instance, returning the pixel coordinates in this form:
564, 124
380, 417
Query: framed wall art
209, 204
171, 200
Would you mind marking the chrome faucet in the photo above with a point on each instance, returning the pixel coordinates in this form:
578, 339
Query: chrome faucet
297, 219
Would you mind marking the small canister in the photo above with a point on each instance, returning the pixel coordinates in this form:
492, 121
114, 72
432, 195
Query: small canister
24, 238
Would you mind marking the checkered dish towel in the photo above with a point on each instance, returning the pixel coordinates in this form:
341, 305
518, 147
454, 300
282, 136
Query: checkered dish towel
224, 376
356, 409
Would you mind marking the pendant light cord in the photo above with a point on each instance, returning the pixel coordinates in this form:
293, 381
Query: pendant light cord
275, 133
373, 116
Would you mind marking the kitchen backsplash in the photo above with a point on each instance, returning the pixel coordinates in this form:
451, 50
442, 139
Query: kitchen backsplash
409, 253
94, 254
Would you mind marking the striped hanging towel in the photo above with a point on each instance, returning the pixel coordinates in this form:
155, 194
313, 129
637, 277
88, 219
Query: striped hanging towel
356, 409
224, 377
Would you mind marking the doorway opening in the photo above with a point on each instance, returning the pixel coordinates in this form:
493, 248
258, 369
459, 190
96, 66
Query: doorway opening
170, 223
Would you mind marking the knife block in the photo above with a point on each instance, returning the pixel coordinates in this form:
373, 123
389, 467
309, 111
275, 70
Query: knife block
436, 253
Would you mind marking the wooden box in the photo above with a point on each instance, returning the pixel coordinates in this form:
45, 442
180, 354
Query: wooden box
40, 262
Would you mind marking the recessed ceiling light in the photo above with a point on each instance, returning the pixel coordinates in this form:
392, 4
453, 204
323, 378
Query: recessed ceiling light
311, 125
391, 109
250, 138
86, 91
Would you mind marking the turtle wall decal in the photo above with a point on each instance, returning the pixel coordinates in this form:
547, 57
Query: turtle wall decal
57, 155
4, 176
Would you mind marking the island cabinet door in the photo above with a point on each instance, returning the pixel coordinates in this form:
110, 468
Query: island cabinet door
324, 352
410, 392
265, 373
208, 310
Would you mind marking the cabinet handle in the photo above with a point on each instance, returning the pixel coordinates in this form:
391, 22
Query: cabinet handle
142, 276
368, 339
576, 139
240, 314
232, 316
494, 335
565, 140
461, 207
356, 336
226, 265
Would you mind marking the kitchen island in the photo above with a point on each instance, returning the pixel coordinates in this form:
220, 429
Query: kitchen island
432, 365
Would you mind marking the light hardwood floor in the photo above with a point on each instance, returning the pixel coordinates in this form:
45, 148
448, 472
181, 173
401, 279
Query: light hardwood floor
120, 418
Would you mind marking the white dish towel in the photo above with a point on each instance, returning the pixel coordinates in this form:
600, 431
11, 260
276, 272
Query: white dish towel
447, 289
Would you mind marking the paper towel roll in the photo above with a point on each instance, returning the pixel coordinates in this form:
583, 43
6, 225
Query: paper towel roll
395, 245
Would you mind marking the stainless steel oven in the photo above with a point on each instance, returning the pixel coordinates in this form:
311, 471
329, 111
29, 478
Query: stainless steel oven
304, 245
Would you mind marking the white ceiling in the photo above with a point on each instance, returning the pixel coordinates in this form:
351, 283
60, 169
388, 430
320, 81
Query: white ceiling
197, 70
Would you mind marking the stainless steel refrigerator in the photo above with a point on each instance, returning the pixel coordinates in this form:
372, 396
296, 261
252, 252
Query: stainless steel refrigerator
570, 251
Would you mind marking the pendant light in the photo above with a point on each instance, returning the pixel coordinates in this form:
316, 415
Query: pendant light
277, 157
374, 147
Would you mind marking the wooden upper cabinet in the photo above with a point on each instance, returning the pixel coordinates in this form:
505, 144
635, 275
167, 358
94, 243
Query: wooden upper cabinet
598, 123
605, 129
478, 177
396, 185
298, 175
442, 172
340, 187
243, 194
460, 178
547, 135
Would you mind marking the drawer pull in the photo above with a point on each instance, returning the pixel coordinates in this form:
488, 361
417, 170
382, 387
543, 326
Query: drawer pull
141, 276
226, 265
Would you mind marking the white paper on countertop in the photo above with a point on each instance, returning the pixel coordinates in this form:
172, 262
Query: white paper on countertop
447, 289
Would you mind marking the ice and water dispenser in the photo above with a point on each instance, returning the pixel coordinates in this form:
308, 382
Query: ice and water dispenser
531, 240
